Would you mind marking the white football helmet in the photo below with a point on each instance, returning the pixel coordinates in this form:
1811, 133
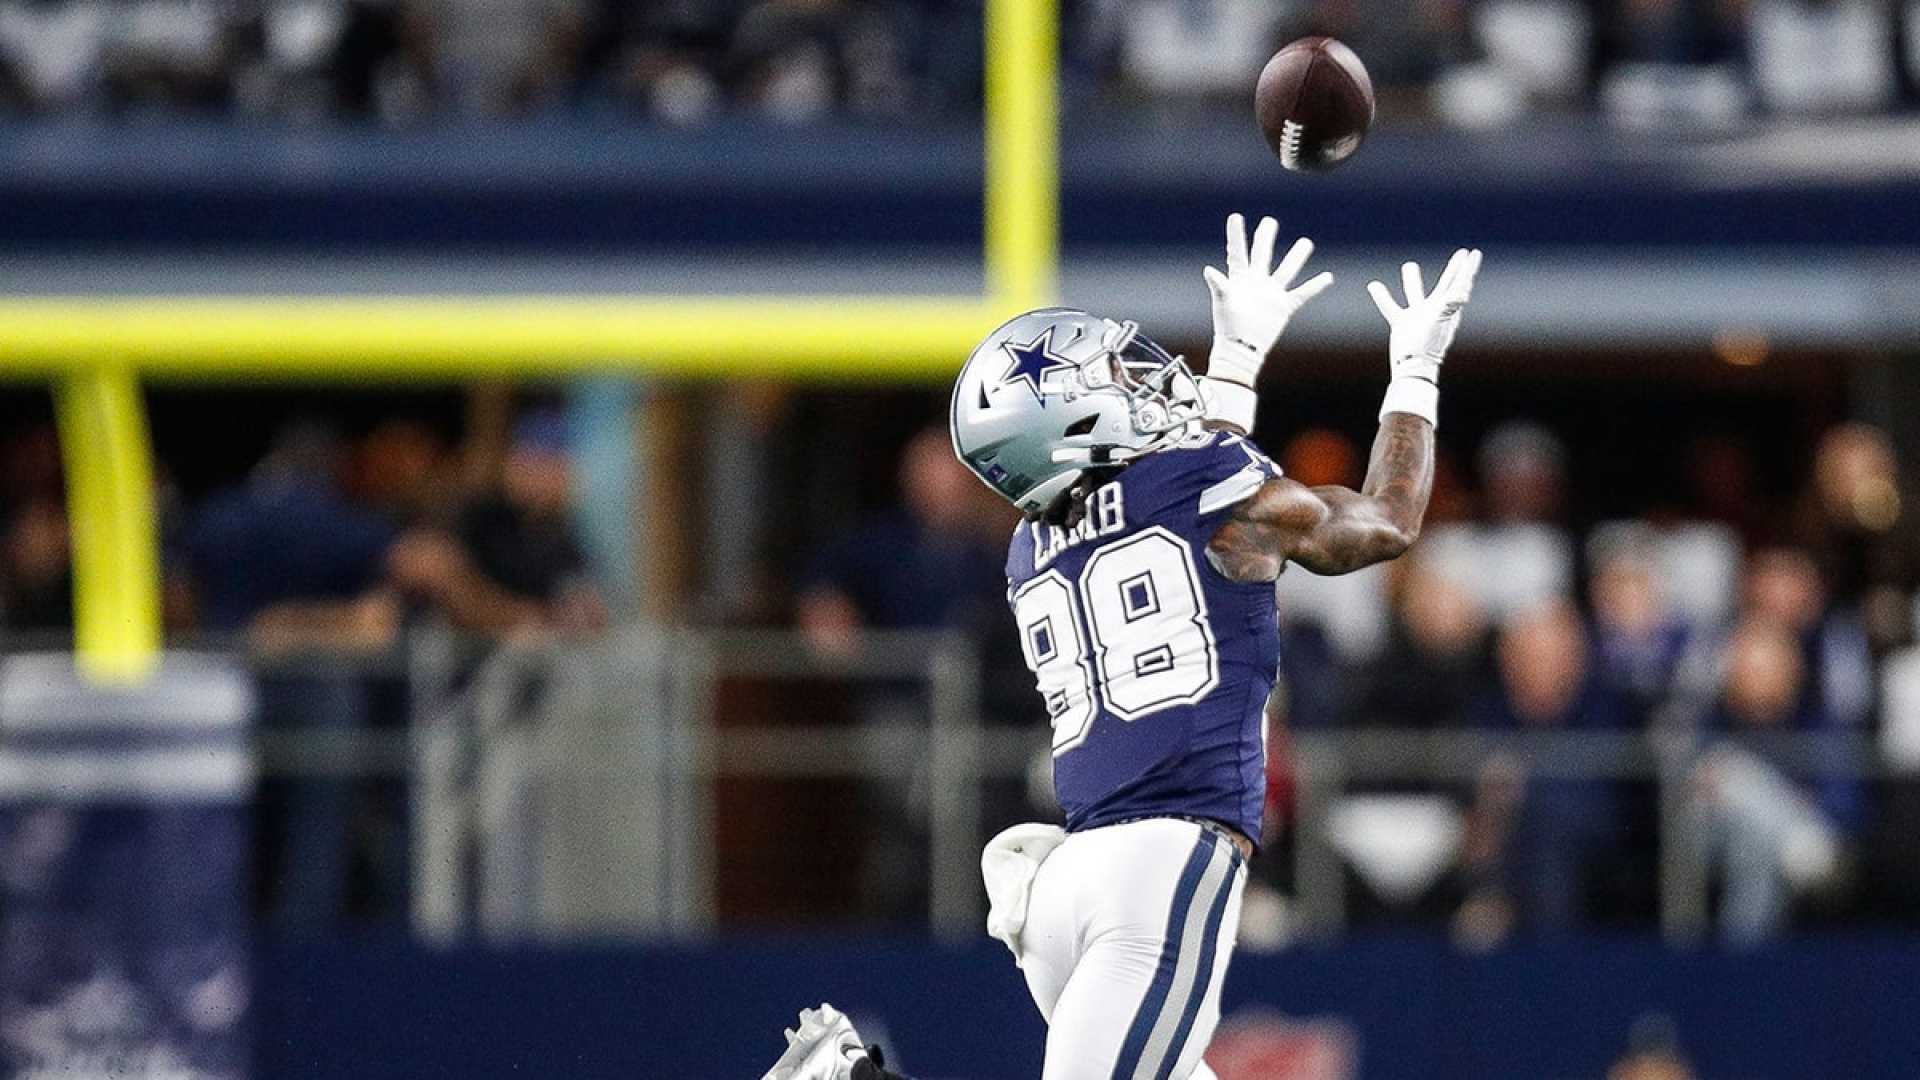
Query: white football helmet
1056, 392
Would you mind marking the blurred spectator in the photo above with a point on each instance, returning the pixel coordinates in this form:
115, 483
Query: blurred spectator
1897, 819
1653, 1053
512, 562
1769, 836
1696, 564
288, 560
1406, 45
1855, 523
1783, 586
935, 563
378, 65
1900, 710
1159, 40
289, 51
1672, 61
1822, 56
1320, 456
1435, 657
1536, 47
1638, 641
791, 57
664, 58
1519, 556
1328, 625
1536, 836
1523, 467
51, 53
38, 587
489, 57
287, 557
403, 469
1833, 677
171, 54
30, 465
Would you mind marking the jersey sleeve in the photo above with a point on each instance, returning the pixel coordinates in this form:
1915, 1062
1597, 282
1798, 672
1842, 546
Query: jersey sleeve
1019, 556
1202, 483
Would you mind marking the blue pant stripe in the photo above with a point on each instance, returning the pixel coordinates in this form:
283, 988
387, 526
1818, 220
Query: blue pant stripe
1149, 1012
1203, 978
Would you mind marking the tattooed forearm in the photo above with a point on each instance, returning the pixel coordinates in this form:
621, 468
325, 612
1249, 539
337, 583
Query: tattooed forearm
1382, 520
1400, 473
1334, 530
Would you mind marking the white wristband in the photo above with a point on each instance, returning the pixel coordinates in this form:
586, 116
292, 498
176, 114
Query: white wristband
1235, 360
1414, 396
1229, 401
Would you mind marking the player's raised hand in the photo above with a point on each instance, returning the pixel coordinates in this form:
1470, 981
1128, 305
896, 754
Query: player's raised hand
1420, 333
1253, 300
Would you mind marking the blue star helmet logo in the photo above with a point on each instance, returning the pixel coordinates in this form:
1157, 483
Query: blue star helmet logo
1032, 361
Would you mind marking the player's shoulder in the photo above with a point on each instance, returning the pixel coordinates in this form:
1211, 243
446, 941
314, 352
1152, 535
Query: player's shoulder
1205, 449
1020, 553
1216, 468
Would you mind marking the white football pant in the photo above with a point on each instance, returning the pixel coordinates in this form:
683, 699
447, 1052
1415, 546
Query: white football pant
1128, 934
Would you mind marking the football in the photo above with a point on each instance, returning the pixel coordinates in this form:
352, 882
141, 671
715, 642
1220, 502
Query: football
1315, 104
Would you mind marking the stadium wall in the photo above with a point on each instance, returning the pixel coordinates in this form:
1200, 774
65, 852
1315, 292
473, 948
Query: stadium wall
579, 187
1840, 1007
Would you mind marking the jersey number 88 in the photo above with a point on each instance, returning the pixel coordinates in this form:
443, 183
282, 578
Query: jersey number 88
1152, 648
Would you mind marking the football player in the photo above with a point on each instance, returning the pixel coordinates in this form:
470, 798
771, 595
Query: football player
1142, 582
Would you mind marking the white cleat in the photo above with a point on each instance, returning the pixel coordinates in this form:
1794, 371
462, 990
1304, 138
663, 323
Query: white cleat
823, 1047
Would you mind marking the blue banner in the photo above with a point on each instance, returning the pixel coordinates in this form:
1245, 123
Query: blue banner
123, 841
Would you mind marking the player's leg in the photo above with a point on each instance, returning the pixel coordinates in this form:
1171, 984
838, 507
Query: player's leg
1050, 941
1143, 997
1207, 1020
1125, 949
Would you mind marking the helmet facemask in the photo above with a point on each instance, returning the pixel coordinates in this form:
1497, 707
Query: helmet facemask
1162, 395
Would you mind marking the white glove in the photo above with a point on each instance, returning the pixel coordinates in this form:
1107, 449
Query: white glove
1252, 303
1420, 333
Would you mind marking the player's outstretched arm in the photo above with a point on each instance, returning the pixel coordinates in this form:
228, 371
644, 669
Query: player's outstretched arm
1335, 530
1253, 301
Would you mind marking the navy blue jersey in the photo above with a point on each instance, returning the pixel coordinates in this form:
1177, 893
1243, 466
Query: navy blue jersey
1155, 668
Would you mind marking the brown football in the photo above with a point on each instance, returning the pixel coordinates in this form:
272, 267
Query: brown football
1315, 103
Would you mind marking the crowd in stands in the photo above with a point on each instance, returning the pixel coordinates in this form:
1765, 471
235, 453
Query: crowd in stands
1731, 629
1733, 633
332, 541
1733, 626
685, 62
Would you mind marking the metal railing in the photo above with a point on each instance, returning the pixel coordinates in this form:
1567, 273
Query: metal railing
484, 750
569, 789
